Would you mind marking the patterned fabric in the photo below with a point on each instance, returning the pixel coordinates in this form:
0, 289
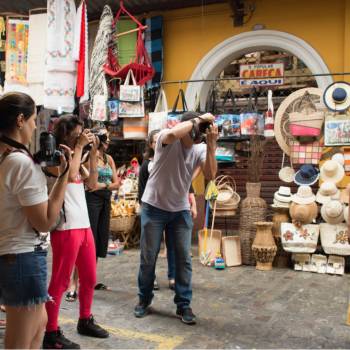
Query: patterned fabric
60, 79
305, 153
2, 50
154, 47
17, 51
98, 83
105, 174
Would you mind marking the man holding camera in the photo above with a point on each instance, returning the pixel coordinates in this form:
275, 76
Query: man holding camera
178, 152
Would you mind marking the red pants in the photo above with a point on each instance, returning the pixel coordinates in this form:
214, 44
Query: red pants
70, 248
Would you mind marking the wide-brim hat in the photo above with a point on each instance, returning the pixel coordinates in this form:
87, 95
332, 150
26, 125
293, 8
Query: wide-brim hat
327, 191
304, 195
332, 212
332, 171
307, 175
336, 97
283, 194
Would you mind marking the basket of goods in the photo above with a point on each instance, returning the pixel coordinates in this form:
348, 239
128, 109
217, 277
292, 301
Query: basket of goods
228, 199
122, 215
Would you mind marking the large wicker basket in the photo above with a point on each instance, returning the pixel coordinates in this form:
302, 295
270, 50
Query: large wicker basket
122, 223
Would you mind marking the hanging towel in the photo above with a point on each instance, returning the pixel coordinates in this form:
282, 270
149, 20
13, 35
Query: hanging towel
154, 47
80, 53
60, 70
98, 83
36, 56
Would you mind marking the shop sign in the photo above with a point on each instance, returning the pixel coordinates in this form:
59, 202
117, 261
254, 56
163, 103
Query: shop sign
261, 74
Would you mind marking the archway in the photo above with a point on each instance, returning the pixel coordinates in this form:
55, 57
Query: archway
221, 55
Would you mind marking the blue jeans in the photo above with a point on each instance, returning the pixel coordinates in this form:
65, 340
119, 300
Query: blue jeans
170, 254
179, 226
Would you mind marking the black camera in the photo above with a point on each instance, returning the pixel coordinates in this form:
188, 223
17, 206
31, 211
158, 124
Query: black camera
101, 134
49, 155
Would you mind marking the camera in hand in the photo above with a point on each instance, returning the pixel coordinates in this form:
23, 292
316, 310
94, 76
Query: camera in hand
102, 136
49, 155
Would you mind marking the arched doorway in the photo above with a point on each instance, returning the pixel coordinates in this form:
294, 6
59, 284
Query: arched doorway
221, 55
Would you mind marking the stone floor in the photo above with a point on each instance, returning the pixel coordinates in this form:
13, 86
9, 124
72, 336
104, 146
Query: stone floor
236, 308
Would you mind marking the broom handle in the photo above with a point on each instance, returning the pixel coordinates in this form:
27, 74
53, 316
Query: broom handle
213, 221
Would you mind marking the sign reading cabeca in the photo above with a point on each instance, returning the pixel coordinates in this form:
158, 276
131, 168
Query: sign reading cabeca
261, 74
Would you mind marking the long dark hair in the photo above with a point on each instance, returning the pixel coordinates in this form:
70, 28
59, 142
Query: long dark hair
64, 126
12, 105
149, 151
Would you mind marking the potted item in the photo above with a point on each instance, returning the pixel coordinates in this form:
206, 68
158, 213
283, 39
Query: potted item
303, 209
264, 247
253, 207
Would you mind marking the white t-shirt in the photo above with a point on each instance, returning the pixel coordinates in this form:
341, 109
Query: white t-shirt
75, 207
22, 184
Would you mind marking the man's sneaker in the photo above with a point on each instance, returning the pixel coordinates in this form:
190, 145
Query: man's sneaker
186, 315
56, 340
141, 309
87, 326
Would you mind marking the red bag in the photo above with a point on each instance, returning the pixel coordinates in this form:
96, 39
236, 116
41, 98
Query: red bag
141, 67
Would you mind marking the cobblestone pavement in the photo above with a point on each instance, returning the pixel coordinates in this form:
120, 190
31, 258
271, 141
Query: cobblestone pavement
236, 308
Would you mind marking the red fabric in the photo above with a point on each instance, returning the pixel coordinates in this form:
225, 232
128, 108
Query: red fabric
71, 248
141, 67
81, 62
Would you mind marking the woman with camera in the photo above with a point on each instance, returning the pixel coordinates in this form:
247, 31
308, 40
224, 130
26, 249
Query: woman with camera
25, 210
99, 198
72, 240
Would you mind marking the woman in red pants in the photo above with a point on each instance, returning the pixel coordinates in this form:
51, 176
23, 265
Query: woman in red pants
72, 241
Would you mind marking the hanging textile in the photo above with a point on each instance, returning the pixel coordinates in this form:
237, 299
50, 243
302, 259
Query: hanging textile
126, 43
98, 83
154, 47
16, 51
36, 56
80, 53
60, 70
141, 65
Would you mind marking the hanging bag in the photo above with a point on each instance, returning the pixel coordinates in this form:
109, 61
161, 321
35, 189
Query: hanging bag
157, 120
130, 93
286, 173
174, 117
337, 129
252, 122
269, 121
229, 123
99, 111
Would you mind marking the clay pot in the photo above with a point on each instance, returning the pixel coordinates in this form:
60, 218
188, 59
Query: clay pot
303, 213
264, 247
280, 215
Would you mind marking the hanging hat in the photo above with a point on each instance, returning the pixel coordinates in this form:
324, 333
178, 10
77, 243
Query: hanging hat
339, 157
332, 171
283, 194
332, 212
327, 191
337, 96
345, 194
307, 175
346, 213
278, 204
304, 195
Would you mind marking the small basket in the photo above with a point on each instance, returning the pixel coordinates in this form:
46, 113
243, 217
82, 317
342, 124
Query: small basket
228, 198
122, 223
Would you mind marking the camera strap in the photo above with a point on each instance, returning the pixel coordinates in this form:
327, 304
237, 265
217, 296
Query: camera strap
15, 144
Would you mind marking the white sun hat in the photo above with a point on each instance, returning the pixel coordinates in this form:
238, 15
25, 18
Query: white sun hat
332, 171
332, 212
327, 191
283, 194
304, 195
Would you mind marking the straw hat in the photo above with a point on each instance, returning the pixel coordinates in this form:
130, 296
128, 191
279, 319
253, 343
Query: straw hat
332, 171
337, 96
327, 191
346, 213
345, 194
339, 157
332, 212
304, 195
283, 194
307, 175
278, 204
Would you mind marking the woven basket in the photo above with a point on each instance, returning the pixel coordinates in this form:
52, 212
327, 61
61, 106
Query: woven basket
253, 209
228, 197
122, 223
